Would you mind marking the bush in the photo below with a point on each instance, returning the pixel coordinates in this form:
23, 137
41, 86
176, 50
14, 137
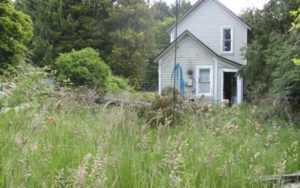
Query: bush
83, 67
162, 109
15, 31
29, 86
116, 83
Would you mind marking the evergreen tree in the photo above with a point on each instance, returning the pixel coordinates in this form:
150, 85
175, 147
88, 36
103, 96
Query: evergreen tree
63, 25
132, 37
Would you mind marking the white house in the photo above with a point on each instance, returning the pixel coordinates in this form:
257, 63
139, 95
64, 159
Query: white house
209, 43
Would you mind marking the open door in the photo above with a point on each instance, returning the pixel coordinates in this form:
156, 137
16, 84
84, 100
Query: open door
230, 87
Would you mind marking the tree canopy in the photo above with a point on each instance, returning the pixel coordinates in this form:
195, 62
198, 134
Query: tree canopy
270, 69
15, 32
120, 30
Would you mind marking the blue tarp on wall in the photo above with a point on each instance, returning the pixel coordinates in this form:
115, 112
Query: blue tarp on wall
178, 76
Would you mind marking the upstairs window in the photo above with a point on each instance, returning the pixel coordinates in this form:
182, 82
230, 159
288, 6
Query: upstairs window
227, 40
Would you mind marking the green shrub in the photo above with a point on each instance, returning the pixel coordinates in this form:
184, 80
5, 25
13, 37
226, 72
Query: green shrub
116, 83
83, 67
15, 31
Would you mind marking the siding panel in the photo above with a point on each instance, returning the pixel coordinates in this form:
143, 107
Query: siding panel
206, 23
189, 55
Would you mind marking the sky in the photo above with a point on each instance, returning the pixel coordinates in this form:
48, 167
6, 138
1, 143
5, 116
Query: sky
235, 5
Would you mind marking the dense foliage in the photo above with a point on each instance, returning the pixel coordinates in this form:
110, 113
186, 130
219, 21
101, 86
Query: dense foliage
126, 33
121, 31
118, 84
60, 26
131, 26
83, 67
15, 32
296, 28
270, 69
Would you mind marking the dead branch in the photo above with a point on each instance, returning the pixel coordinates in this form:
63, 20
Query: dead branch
109, 101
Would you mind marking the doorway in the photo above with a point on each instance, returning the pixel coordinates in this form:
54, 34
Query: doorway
230, 87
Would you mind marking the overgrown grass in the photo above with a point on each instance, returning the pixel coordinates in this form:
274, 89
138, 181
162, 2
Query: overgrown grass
61, 141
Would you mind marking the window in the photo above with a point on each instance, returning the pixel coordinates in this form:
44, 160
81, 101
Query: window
204, 81
204, 78
227, 40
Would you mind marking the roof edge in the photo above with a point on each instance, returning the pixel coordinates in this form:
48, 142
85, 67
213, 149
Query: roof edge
198, 3
188, 11
186, 32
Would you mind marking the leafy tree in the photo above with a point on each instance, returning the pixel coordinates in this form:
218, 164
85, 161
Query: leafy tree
63, 25
183, 6
15, 32
132, 38
270, 70
296, 28
161, 10
162, 38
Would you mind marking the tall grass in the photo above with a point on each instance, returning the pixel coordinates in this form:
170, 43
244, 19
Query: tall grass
61, 141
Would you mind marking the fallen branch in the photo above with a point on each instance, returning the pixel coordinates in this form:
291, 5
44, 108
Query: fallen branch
109, 101
292, 178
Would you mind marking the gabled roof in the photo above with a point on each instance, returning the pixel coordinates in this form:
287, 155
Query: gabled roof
198, 3
187, 33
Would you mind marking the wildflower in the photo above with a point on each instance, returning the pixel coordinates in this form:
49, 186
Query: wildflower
256, 155
257, 135
80, 176
81, 173
34, 146
295, 144
282, 167
225, 102
269, 137
253, 111
144, 129
19, 142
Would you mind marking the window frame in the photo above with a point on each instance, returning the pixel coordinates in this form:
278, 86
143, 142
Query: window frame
223, 40
207, 67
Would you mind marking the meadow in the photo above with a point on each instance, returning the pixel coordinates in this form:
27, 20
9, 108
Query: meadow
61, 138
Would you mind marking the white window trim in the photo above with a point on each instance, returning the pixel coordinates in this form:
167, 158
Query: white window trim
211, 80
222, 37
239, 85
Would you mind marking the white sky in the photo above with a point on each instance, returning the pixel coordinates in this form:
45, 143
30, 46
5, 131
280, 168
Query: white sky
235, 5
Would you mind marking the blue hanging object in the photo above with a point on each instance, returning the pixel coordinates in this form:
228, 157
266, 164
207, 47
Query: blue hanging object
179, 75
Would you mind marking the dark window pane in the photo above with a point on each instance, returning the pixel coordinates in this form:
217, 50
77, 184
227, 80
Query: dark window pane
227, 34
227, 46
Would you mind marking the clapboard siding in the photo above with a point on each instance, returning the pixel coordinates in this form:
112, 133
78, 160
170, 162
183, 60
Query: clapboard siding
206, 23
189, 55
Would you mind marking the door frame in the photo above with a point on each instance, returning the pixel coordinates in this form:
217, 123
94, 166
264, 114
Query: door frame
239, 85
